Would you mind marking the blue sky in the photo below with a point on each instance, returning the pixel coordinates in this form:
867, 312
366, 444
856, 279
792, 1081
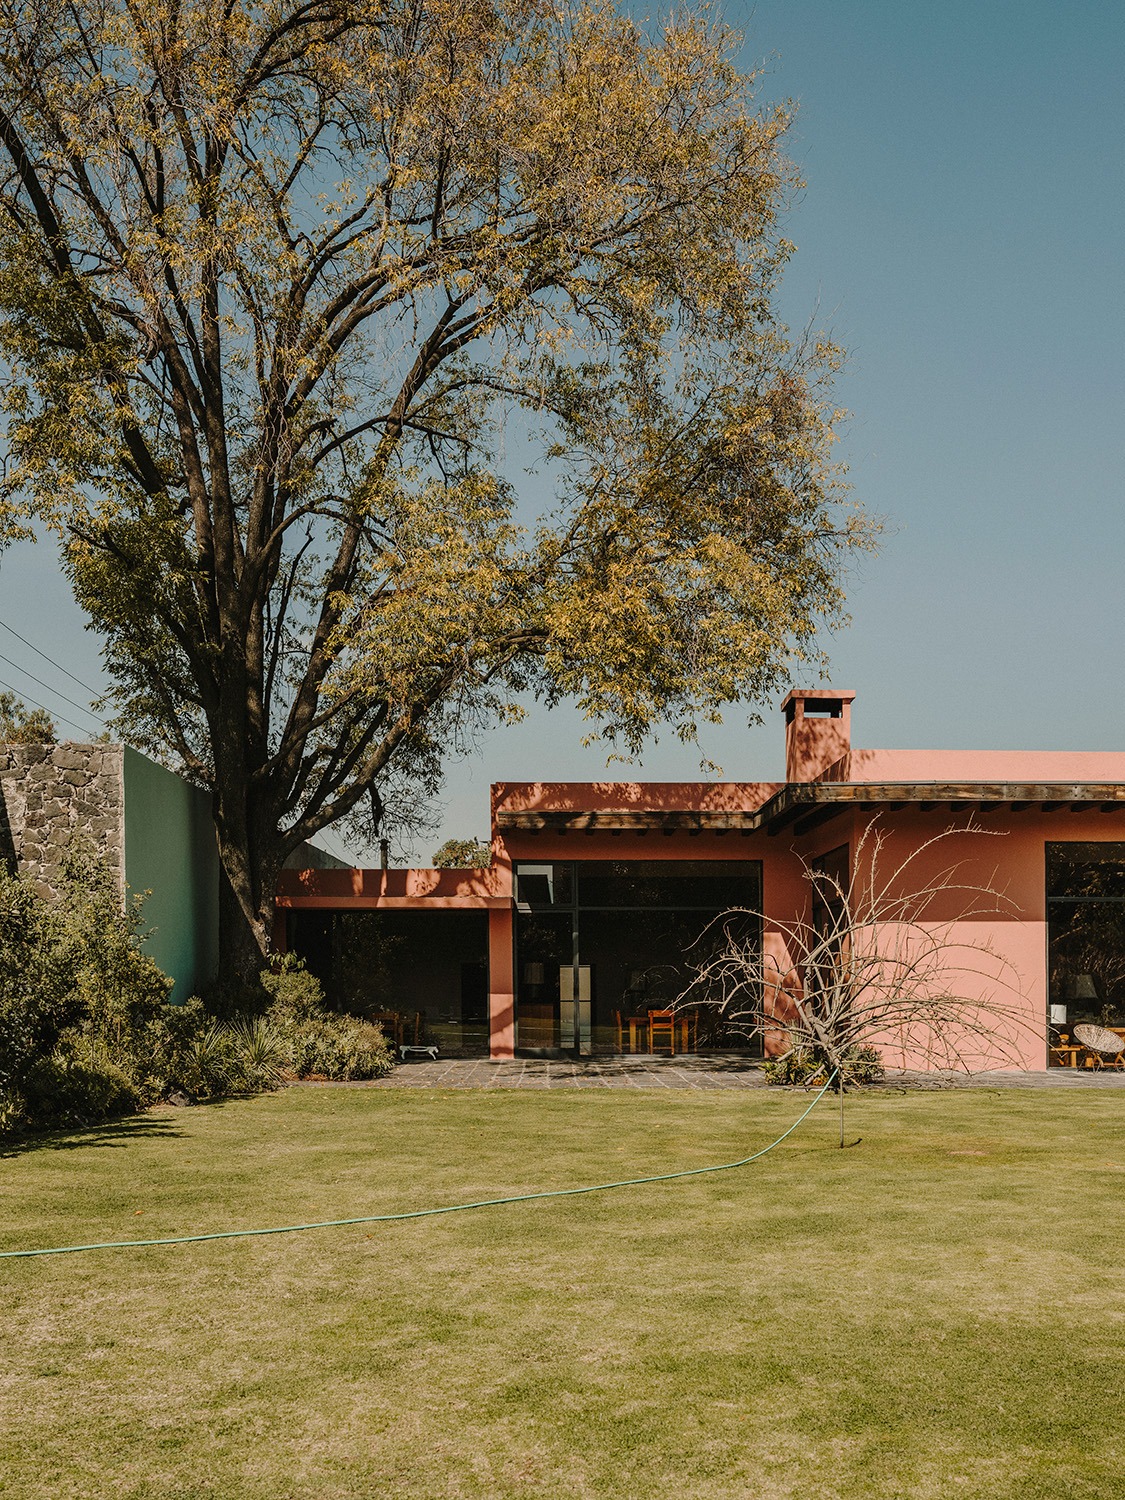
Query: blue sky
962, 234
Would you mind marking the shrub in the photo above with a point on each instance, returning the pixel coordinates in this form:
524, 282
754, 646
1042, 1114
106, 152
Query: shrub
293, 993
77, 1085
261, 1054
86, 1030
78, 998
37, 998
797, 1066
865, 1066
338, 1046
191, 1053
317, 1040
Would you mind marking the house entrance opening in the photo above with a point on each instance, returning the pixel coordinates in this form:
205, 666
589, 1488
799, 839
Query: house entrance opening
606, 948
423, 975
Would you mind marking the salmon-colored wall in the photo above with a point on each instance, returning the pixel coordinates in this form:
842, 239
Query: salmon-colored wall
394, 888
814, 739
998, 954
501, 985
979, 765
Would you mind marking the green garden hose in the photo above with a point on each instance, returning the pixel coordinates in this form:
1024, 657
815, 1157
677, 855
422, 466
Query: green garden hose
421, 1213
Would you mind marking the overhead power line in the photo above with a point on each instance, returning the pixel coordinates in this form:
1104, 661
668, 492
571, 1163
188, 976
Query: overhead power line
81, 728
56, 664
82, 707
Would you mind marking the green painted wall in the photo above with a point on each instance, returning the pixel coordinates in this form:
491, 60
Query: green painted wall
170, 851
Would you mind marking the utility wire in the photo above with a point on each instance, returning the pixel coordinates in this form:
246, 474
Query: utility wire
81, 728
82, 707
339, 851
57, 665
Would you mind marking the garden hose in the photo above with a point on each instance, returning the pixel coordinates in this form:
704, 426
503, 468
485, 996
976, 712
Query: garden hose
421, 1213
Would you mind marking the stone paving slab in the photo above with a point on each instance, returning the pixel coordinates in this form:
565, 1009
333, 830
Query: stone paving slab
726, 1071
1043, 1078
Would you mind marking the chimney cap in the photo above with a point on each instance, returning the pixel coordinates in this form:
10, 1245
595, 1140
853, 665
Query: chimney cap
818, 695
833, 703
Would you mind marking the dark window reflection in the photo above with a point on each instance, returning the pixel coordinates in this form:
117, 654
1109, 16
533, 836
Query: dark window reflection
1086, 933
545, 885
422, 973
1087, 963
1086, 871
704, 885
637, 930
544, 942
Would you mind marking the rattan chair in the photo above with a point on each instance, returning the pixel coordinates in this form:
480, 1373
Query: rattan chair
1106, 1048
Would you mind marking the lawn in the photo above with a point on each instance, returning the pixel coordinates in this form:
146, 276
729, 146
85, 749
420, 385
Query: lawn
939, 1310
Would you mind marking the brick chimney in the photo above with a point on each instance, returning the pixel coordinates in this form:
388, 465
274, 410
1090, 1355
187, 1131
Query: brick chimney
818, 730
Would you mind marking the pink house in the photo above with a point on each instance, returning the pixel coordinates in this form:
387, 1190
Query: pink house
597, 892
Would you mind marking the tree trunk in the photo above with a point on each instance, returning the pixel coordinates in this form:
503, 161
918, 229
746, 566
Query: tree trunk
250, 859
244, 942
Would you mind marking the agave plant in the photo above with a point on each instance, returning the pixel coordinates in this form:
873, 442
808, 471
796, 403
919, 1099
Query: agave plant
260, 1050
209, 1058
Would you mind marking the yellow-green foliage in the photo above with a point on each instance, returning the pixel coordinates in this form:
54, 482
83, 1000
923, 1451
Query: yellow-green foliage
272, 281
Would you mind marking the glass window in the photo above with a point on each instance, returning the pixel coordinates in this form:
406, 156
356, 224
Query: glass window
637, 930
702, 885
544, 885
1087, 960
1086, 936
1091, 872
423, 973
544, 944
830, 889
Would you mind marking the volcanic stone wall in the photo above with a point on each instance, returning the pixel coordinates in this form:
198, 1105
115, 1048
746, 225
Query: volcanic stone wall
53, 797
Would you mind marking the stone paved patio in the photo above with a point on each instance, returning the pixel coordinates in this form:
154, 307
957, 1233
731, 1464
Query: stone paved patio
712, 1072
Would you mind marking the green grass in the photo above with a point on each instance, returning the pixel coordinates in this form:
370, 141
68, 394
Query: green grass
938, 1311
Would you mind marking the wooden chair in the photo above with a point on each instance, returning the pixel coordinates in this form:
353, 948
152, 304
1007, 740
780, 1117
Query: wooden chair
1062, 1054
630, 1032
662, 1026
391, 1022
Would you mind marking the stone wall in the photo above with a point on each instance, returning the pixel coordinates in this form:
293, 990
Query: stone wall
54, 795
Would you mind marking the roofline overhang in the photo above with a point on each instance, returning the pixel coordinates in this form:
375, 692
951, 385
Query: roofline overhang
803, 806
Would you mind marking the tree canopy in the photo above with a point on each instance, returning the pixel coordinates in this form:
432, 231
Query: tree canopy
275, 283
20, 725
462, 854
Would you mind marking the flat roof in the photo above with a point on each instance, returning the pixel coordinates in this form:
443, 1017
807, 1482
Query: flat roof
802, 806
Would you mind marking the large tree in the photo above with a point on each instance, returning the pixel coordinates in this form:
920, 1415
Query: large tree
277, 279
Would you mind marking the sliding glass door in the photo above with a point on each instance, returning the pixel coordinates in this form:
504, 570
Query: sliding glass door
601, 944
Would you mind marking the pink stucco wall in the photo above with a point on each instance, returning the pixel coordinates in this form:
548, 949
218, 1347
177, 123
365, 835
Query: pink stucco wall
1034, 766
998, 956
